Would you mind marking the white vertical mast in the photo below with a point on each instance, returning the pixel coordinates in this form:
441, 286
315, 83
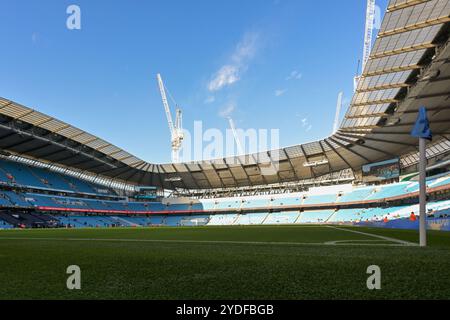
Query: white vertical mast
236, 137
368, 33
338, 112
370, 18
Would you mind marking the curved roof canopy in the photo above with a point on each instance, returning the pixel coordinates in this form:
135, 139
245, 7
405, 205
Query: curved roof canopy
408, 67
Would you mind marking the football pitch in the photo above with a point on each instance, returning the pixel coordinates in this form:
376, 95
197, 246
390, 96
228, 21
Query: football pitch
252, 262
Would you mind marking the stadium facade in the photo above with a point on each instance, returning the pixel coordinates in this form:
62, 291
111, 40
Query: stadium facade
52, 172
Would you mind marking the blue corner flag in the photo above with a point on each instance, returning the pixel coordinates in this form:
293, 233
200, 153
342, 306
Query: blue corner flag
422, 127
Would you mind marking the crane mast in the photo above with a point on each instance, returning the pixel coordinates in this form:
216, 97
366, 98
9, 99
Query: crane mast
338, 112
165, 104
176, 130
370, 17
178, 121
236, 137
368, 33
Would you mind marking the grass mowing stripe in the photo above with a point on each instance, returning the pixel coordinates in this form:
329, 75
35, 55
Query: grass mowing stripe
328, 243
160, 240
241, 234
286, 235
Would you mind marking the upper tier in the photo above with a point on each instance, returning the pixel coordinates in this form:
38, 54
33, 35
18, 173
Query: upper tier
17, 174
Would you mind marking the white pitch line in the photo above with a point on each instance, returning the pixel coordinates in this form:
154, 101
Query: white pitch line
200, 241
402, 242
354, 241
166, 241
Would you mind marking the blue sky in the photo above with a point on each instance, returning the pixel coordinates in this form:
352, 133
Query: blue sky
269, 64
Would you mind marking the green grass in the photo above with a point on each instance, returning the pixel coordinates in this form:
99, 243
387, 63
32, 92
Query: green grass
261, 262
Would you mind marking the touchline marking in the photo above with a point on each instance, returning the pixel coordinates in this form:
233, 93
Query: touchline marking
332, 243
357, 241
402, 242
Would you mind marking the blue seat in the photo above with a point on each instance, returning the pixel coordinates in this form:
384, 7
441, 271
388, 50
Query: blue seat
357, 194
320, 199
15, 173
288, 201
282, 217
251, 218
317, 216
346, 215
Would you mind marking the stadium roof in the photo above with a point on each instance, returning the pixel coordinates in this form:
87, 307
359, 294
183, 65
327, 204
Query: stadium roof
408, 67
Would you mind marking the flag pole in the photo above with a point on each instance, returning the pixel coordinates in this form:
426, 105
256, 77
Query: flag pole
423, 192
422, 131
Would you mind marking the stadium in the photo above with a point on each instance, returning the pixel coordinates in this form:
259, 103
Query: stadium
229, 228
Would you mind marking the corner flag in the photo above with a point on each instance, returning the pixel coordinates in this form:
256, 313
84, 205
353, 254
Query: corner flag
422, 127
422, 131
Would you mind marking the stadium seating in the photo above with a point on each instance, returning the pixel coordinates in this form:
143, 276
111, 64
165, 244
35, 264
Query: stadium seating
287, 201
4, 202
14, 173
222, 219
80, 185
282, 218
255, 203
378, 214
139, 221
319, 199
5, 225
154, 206
317, 216
87, 221
126, 221
16, 199
206, 205
345, 215
173, 221
197, 206
439, 182
389, 191
228, 204
79, 210
356, 195
157, 220
251, 218
29, 220
177, 207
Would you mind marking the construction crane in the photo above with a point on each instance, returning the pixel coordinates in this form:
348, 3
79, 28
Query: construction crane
338, 112
370, 19
176, 130
236, 137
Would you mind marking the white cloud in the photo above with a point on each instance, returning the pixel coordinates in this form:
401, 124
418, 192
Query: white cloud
227, 75
227, 110
231, 72
304, 122
34, 37
210, 99
280, 92
306, 125
246, 48
294, 75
